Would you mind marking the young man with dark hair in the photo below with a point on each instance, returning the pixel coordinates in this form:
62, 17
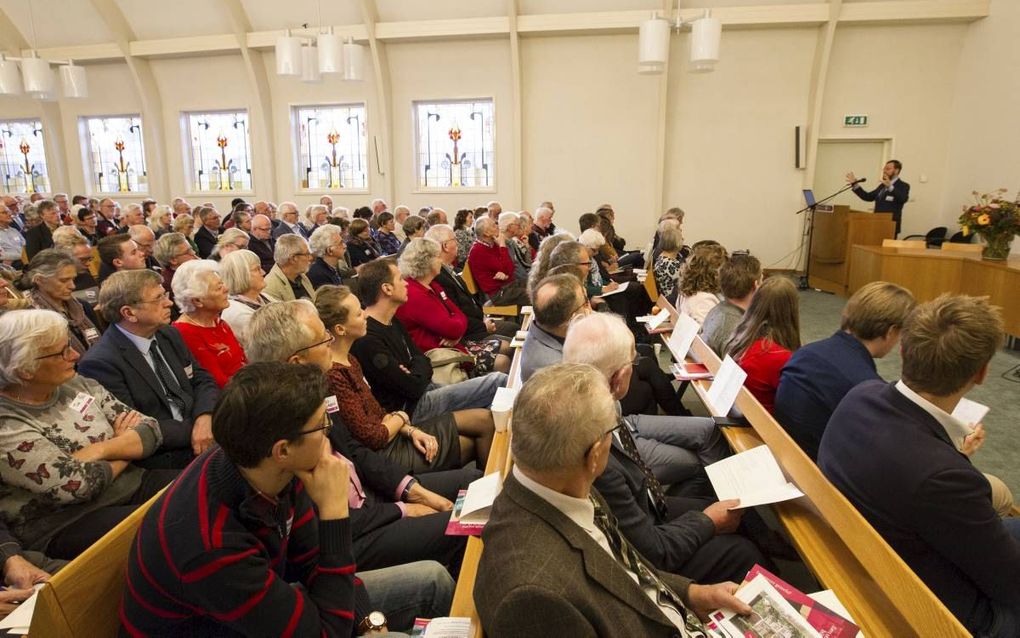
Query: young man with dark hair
119, 252
890, 195
738, 280
901, 458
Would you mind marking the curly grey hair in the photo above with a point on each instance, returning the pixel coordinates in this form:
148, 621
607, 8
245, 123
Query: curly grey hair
23, 335
287, 246
417, 259
235, 270
276, 330
192, 281
323, 238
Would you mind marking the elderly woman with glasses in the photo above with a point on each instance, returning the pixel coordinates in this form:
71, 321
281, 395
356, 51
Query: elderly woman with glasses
228, 241
241, 271
202, 296
288, 279
327, 245
49, 280
424, 446
68, 477
431, 317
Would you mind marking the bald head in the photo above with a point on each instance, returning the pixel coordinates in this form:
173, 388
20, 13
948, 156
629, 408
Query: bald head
557, 299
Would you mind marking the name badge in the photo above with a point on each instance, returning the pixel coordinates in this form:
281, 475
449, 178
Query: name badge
91, 334
90, 295
442, 295
332, 406
188, 371
889, 198
81, 402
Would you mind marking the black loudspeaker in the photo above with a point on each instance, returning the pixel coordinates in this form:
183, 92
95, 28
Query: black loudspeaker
799, 146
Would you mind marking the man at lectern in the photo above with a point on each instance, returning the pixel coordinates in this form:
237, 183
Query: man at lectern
891, 194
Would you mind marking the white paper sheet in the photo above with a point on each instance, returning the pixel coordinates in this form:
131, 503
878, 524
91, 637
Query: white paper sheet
654, 321
620, 289
774, 615
752, 476
480, 495
451, 627
970, 412
726, 386
684, 333
18, 621
527, 310
828, 598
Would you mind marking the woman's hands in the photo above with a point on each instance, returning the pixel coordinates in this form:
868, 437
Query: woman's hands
427, 444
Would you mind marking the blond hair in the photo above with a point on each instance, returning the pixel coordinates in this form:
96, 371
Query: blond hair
875, 308
701, 272
947, 341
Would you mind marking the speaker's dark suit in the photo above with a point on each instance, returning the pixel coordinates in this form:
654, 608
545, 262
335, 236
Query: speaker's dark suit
117, 364
887, 200
542, 575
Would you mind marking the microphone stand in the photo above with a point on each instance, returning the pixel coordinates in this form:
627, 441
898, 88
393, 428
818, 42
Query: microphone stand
805, 279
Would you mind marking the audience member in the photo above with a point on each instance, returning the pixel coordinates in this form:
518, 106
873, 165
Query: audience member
185, 225
494, 210
313, 218
819, 375
577, 572
69, 240
118, 252
433, 320
894, 450
328, 248
49, 282
288, 216
739, 278
12, 242
132, 215
360, 245
436, 216
669, 262
69, 443
698, 291
520, 255
540, 263
228, 241
395, 367
675, 534
766, 337
464, 232
145, 363
272, 484
395, 518
241, 271
479, 327
145, 239
41, 237
261, 241
492, 267
441, 442
543, 226
414, 227
161, 221
202, 297
558, 300
207, 233
172, 250
288, 279
386, 236
22, 570
85, 222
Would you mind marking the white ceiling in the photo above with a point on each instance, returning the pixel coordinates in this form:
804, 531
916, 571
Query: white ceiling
76, 22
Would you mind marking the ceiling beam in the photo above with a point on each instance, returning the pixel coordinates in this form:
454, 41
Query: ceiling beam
767, 16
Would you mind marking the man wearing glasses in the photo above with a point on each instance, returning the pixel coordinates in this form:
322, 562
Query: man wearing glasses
262, 242
288, 279
558, 299
145, 363
107, 224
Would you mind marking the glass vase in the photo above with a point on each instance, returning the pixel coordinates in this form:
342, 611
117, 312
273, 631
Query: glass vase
996, 246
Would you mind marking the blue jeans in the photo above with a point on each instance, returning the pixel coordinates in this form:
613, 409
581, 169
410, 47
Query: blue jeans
675, 448
471, 393
414, 590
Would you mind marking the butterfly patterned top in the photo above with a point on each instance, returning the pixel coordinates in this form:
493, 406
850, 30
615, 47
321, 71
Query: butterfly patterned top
44, 489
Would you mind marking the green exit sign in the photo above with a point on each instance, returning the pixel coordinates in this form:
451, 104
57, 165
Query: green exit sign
855, 121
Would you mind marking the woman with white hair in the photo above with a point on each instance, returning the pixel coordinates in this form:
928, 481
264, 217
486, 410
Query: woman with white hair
432, 319
161, 221
202, 297
228, 241
185, 225
49, 280
314, 217
241, 271
68, 442
328, 248
593, 240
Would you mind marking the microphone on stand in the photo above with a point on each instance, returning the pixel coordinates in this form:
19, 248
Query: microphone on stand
859, 180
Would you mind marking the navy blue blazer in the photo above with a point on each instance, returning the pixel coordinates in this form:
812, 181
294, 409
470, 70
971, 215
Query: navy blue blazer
887, 200
119, 367
205, 241
899, 468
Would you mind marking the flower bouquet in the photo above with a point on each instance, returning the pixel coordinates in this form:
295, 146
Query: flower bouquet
995, 219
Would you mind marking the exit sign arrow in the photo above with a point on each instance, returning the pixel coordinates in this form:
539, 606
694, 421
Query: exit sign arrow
855, 121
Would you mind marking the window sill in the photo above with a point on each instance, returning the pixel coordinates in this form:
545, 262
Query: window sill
453, 191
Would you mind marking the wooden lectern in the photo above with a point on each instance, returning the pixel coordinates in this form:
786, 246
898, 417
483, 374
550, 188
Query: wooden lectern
835, 235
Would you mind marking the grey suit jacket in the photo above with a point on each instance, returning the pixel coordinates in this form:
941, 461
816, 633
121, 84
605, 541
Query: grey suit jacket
542, 575
540, 349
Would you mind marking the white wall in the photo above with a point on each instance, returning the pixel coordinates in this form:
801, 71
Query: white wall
945, 94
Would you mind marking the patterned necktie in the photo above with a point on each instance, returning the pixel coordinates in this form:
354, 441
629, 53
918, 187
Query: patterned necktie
632, 561
172, 389
655, 492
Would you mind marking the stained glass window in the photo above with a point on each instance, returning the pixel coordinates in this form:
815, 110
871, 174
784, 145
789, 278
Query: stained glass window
116, 154
220, 145
23, 157
332, 147
454, 144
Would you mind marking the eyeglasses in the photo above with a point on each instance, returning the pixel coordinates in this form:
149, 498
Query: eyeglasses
328, 340
67, 354
160, 299
302, 254
189, 251
327, 425
619, 424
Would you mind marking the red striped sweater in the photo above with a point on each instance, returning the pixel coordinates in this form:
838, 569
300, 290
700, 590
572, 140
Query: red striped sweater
214, 558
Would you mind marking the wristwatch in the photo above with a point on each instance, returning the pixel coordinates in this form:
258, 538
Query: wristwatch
374, 621
407, 489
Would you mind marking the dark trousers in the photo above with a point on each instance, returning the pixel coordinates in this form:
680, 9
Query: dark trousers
724, 557
418, 538
84, 532
651, 388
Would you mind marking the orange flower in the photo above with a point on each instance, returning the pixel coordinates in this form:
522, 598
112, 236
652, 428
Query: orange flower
984, 220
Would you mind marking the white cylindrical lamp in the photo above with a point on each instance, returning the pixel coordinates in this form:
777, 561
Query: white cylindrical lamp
74, 82
310, 64
288, 55
10, 79
38, 77
354, 61
331, 57
706, 35
653, 45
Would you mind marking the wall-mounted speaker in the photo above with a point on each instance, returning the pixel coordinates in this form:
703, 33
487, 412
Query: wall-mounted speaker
800, 147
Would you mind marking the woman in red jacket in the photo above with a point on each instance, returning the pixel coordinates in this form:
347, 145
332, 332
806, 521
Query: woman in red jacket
432, 319
766, 337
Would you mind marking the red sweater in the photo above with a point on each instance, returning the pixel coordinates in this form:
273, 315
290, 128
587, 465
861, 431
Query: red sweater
362, 413
216, 349
763, 362
486, 261
429, 316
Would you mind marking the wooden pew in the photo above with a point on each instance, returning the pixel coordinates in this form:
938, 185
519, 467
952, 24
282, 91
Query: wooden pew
488, 308
500, 460
83, 599
837, 544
